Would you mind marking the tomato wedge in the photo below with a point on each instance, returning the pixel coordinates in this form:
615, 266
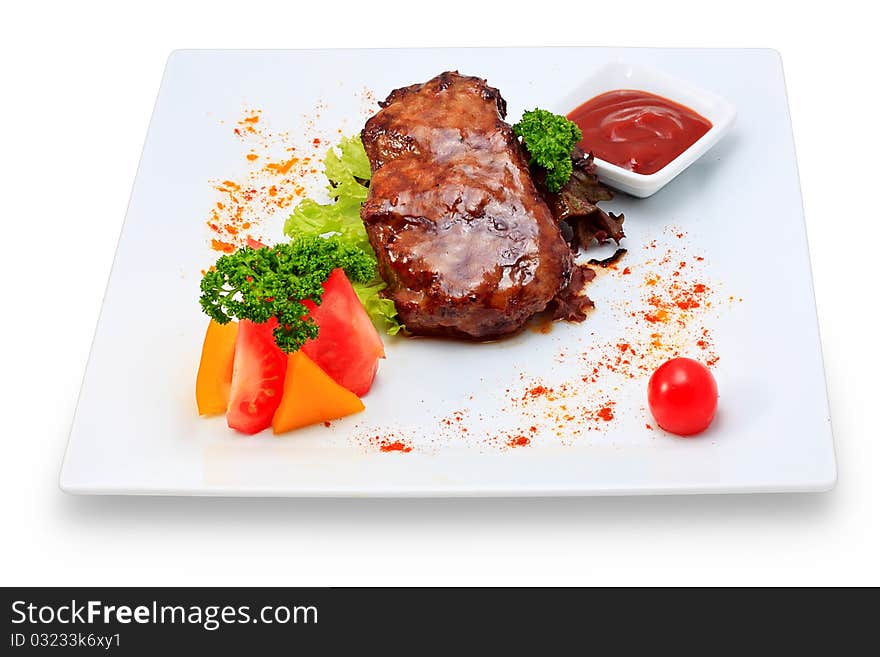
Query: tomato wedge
348, 347
257, 378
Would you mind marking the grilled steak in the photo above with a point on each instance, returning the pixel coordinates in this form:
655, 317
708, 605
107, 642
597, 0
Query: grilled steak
465, 242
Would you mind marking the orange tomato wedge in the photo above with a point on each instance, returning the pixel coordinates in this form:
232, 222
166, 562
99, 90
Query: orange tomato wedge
215, 368
311, 396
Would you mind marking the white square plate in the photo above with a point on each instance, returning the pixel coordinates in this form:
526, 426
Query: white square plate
734, 219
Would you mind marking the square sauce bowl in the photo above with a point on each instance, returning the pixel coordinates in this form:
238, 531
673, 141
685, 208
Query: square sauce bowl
620, 75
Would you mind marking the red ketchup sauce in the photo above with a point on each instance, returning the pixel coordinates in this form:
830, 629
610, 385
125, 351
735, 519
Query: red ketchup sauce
637, 130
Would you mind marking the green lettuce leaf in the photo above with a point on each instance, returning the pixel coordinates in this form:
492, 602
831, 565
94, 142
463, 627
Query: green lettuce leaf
341, 218
381, 310
352, 162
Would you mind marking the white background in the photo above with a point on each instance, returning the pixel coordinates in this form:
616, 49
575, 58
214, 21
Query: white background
78, 85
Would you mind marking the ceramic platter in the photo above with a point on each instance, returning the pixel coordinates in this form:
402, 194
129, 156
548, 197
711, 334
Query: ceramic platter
717, 268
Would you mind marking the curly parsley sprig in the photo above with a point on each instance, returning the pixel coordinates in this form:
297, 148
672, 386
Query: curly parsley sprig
549, 138
259, 284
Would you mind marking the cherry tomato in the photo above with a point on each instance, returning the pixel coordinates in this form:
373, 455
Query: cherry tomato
683, 396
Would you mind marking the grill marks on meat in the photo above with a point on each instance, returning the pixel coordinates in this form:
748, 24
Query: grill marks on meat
465, 242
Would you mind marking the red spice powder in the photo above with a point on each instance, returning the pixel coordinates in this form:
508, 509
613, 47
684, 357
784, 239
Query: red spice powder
389, 440
659, 316
671, 295
396, 446
666, 322
519, 441
281, 167
537, 391
225, 247
248, 200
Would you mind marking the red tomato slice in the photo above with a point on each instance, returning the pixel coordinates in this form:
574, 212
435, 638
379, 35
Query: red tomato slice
258, 373
348, 347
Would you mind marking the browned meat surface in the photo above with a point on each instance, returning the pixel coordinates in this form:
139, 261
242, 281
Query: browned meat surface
465, 241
